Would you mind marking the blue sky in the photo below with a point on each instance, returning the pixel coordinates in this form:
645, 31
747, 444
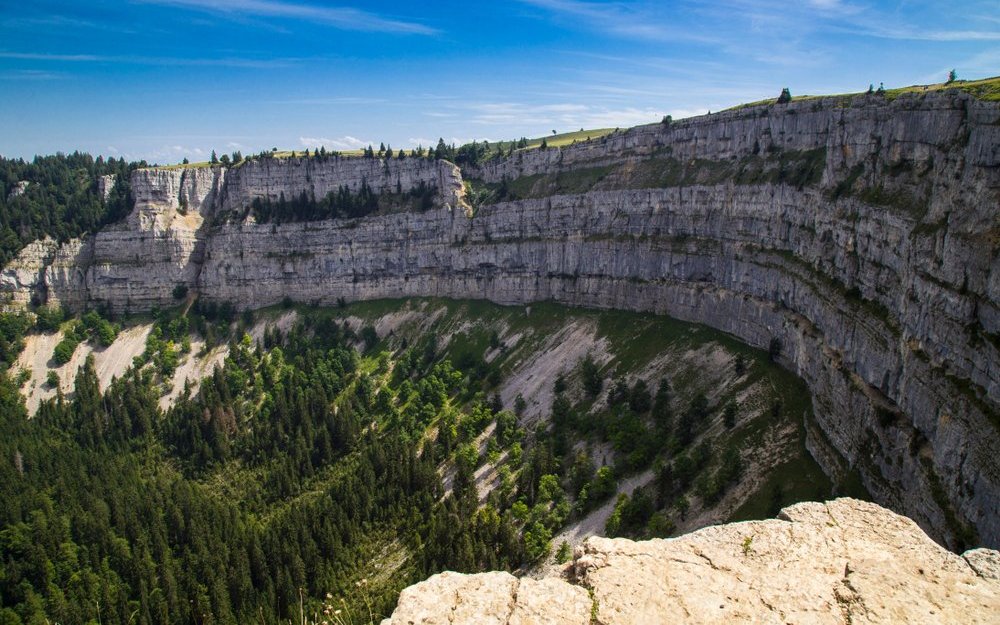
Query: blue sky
165, 79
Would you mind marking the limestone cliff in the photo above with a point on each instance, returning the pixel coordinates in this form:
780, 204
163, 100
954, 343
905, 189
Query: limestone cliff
843, 562
857, 236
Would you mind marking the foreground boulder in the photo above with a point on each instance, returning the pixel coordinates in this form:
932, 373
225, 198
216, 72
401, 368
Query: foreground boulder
844, 561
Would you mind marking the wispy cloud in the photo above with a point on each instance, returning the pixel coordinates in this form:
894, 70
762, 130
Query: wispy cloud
430, 143
331, 101
29, 74
624, 20
915, 34
151, 60
49, 22
38, 56
839, 16
346, 18
346, 142
561, 116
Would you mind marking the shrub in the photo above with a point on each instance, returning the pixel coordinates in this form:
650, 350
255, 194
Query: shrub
563, 554
64, 350
49, 318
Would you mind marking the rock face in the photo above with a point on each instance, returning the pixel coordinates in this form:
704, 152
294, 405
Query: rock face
105, 185
271, 178
856, 237
136, 265
845, 561
492, 599
18, 189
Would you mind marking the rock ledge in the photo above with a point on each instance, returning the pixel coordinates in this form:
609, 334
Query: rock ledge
844, 561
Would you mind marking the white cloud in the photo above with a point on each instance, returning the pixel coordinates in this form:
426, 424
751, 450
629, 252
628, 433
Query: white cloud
29, 74
622, 20
563, 116
430, 143
37, 56
346, 142
152, 60
935, 35
346, 18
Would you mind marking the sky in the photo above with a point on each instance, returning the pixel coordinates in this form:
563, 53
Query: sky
162, 80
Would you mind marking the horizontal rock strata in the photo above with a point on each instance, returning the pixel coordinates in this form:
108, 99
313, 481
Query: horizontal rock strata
859, 235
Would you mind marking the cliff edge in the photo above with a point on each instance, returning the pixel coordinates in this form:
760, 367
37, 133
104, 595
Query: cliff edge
856, 238
844, 561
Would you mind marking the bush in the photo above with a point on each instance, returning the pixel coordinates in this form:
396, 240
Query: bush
180, 291
564, 552
52, 379
49, 318
63, 352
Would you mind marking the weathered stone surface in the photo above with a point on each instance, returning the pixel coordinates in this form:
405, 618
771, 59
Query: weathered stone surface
881, 281
18, 189
105, 185
20, 279
491, 599
845, 561
272, 178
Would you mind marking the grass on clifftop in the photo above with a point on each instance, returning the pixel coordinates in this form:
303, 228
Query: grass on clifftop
983, 89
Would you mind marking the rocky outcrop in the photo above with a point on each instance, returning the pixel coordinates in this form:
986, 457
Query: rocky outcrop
845, 561
492, 599
136, 265
23, 277
857, 236
273, 178
105, 186
18, 189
